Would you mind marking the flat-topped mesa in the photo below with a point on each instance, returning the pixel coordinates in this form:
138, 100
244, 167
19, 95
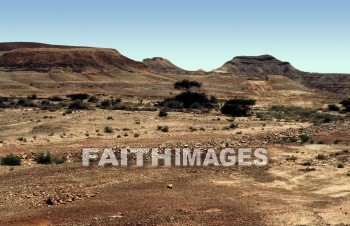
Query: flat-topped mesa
161, 65
256, 65
72, 58
9, 46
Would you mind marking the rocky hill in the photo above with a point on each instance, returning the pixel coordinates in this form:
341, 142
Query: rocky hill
256, 65
261, 66
44, 59
161, 65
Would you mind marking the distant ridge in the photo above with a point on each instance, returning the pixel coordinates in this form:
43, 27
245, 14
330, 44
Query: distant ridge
161, 65
44, 58
9, 46
261, 66
256, 65
30, 56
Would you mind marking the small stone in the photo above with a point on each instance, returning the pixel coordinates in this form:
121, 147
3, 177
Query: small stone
170, 186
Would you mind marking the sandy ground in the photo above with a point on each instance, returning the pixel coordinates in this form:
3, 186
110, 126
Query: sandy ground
283, 193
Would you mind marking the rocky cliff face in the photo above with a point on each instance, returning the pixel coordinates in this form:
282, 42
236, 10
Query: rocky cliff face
75, 59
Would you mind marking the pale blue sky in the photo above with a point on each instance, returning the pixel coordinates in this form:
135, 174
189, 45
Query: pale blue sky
314, 35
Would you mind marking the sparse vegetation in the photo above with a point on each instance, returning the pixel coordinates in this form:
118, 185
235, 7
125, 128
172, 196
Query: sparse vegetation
56, 98
25, 102
22, 139
291, 158
340, 165
346, 105
164, 129
108, 129
304, 138
78, 96
320, 157
11, 160
189, 99
193, 129
44, 158
77, 105
92, 99
237, 107
47, 158
337, 141
333, 107
163, 113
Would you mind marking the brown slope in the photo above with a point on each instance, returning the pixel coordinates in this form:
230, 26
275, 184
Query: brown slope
256, 65
161, 65
261, 66
75, 59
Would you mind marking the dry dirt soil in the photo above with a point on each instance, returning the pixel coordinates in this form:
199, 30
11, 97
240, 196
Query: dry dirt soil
284, 193
302, 191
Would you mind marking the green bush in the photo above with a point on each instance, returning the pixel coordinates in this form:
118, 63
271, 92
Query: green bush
237, 107
163, 113
233, 126
189, 100
346, 104
337, 141
333, 107
56, 98
106, 104
171, 103
293, 139
340, 165
45, 102
320, 157
164, 129
2, 104
291, 158
304, 138
77, 105
92, 99
193, 129
11, 160
325, 118
60, 160
44, 158
196, 105
108, 129
78, 96
24, 102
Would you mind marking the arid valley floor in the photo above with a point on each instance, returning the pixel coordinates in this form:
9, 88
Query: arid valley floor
307, 181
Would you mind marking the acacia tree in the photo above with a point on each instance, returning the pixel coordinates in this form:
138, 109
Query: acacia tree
187, 85
237, 107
